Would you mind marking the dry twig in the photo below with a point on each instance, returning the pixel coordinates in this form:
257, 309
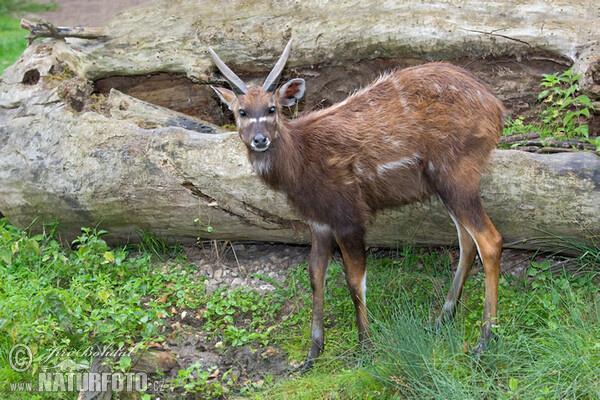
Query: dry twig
43, 28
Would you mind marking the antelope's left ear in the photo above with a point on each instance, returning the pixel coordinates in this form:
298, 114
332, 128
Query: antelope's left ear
291, 91
226, 95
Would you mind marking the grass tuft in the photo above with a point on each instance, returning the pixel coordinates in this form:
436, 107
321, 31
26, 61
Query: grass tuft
558, 357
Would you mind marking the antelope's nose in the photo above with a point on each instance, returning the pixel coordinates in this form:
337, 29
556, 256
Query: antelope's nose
260, 142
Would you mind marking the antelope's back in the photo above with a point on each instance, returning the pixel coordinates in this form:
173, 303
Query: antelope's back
393, 138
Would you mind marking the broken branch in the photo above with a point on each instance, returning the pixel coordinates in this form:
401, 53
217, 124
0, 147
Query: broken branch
518, 138
556, 143
43, 28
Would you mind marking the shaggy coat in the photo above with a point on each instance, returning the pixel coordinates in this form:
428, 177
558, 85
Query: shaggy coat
412, 133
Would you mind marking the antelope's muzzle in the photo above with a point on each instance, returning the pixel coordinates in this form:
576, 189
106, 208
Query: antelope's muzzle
260, 142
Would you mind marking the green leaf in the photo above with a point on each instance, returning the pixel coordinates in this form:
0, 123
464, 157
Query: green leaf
570, 90
109, 256
583, 99
585, 112
582, 131
513, 384
565, 103
568, 118
6, 257
543, 94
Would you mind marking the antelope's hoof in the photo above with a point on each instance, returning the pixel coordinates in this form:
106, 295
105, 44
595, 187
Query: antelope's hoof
438, 325
306, 366
483, 345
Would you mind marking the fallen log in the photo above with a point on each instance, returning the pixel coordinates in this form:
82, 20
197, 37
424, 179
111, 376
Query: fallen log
83, 154
125, 177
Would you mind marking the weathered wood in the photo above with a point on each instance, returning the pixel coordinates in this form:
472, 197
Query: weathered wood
83, 157
557, 143
519, 138
45, 29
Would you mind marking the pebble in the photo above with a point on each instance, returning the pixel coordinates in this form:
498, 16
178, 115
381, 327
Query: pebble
263, 259
237, 282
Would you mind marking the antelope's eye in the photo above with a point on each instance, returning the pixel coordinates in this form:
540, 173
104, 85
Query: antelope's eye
271, 110
242, 113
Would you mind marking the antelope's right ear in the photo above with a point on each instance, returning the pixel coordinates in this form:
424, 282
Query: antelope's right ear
226, 95
291, 91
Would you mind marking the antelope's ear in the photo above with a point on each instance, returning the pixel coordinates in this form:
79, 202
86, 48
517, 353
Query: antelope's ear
226, 95
291, 91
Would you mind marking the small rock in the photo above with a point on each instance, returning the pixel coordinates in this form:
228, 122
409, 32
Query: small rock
218, 273
176, 326
270, 351
183, 315
219, 345
266, 288
237, 282
238, 247
207, 271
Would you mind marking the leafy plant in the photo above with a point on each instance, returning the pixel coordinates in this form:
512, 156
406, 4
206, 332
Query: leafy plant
565, 111
562, 112
158, 245
57, 300
225, 309
194, 379
596, 142
517, 126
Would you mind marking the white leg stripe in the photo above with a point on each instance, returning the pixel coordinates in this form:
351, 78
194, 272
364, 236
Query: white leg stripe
460, 257
320, 228
364, 288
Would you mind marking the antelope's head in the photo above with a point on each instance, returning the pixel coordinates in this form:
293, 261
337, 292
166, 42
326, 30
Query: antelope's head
256, 109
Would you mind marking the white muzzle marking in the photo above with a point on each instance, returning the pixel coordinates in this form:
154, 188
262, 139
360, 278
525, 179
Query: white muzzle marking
260, 149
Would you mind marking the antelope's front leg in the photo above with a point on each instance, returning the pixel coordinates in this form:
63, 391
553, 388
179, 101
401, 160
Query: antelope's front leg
352, 245
320, 254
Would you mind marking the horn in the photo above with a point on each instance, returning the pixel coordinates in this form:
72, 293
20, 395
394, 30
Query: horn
273, 79
237, 85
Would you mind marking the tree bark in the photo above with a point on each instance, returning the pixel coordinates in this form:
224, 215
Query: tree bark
75, 149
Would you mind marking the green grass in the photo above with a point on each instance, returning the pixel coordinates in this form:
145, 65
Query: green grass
68, 296
556, 356
548, 342
12, 37
12, 42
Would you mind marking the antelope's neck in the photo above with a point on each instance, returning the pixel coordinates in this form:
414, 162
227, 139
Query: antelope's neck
280, 166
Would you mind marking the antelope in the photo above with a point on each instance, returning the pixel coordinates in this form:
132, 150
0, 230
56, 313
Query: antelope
421, 131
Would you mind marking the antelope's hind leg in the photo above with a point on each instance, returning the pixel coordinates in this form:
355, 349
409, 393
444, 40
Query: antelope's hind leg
468, 249
320, 254
470, 218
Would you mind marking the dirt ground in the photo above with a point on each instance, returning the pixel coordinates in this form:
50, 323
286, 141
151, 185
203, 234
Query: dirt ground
85, 12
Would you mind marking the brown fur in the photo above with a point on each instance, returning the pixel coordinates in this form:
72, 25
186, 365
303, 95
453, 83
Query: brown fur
412, 133
453, 129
